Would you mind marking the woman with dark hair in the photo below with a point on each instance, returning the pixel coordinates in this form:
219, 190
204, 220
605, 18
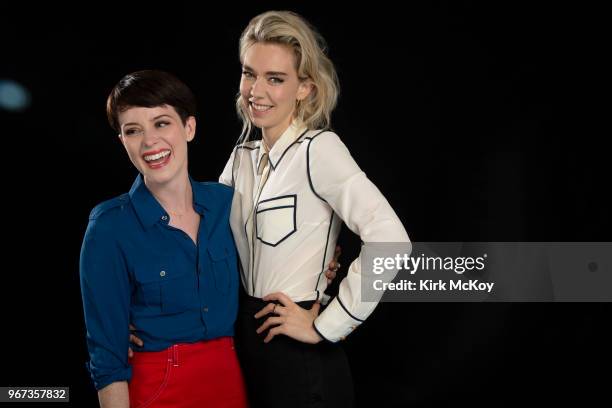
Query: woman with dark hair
161, 257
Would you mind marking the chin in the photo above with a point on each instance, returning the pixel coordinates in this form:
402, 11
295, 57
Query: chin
261, 122
158, 177
265, 124
257, 122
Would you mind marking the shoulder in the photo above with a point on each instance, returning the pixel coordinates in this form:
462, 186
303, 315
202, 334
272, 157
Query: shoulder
320, 134
323, 138
214, 192
247, 150
248, 146
110, 207
107, 217
325, 143
328, 159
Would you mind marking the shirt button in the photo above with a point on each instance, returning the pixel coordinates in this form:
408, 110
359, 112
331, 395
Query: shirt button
162, 273
342, 338
165, 217
353, 328
205, 309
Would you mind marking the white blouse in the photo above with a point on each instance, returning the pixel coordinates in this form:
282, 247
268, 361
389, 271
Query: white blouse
286, 233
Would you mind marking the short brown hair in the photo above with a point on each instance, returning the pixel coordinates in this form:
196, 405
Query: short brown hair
148, 89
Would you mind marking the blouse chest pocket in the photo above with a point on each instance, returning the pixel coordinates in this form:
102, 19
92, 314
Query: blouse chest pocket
165, 288
223, 262
276, 219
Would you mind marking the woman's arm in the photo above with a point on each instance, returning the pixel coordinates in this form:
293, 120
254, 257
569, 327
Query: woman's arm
338, 180
105, 290
114, 395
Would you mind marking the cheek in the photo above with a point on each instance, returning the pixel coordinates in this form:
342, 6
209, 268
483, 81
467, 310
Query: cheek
284, 97
131, 148
133, 155
176, 138
245, 88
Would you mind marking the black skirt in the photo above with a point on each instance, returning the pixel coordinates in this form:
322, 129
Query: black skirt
288, 373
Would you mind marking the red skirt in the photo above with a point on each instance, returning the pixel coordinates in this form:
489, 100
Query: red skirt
202, 374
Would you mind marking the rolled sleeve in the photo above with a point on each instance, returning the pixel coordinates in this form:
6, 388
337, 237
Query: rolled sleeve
105, 290
103, 376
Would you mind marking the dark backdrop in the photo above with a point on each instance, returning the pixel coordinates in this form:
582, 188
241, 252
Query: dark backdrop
466, 116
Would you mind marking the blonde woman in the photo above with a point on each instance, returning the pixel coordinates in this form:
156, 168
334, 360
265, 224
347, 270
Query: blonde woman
293, 189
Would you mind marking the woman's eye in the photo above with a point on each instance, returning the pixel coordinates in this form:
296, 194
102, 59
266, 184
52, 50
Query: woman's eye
130, 132
276, 80
162, 124
247, 74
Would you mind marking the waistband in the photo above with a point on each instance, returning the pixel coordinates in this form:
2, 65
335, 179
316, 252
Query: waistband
182, 351
250, 304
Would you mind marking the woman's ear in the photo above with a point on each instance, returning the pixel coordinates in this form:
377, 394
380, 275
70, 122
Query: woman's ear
304, 89
190, 128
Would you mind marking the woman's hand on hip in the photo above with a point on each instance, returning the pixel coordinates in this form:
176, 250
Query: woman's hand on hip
289, 318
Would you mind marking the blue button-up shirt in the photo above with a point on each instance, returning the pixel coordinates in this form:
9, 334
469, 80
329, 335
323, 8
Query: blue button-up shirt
135, 268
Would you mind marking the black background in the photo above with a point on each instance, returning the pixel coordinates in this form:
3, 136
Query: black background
470, 117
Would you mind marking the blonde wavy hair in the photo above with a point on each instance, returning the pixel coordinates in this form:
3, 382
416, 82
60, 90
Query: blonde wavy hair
311, 62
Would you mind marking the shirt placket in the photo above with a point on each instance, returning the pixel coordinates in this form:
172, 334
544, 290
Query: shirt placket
264, 171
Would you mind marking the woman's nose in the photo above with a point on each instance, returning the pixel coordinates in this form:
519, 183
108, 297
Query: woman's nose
149, 137
256, 89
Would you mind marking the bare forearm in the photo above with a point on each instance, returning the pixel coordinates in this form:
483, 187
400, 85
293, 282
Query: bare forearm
115, 395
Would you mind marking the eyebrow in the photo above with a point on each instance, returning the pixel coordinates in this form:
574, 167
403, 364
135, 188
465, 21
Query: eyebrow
160, 116
274, 73
155, 118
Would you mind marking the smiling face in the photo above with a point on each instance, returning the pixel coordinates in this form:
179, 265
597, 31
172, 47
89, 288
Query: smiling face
156, 142
270, 87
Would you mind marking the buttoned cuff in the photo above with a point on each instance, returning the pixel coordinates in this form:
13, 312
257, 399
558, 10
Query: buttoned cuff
335, 322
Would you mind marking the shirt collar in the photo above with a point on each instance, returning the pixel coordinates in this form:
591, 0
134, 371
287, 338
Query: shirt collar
289, 136
201, 196
150, 211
